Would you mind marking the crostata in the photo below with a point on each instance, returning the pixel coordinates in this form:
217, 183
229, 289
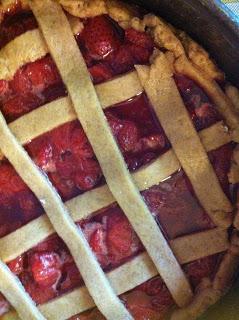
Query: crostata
118, 166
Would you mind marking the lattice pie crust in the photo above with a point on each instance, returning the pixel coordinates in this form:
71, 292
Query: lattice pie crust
189, 151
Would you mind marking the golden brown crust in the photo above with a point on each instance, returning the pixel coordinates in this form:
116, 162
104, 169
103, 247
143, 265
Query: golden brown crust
162, 91
161, 32
200, 57
221, 101
210, 292
117, 10
233, 94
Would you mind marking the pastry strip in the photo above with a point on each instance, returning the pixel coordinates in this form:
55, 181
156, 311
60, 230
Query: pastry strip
221, 101
123, 279
17, 53
15, 293
233, 94
209, 292
137, 271
60, 111
20, 241
100, 289
166, 100
73, 70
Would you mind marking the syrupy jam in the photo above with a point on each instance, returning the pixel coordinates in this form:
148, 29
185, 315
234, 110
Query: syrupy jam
38, 83
68, 159
16, 22
66, 156
152, 300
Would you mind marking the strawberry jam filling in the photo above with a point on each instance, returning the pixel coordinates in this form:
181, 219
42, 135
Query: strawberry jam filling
16, 22
151, 300
107, 49
113, 240
65, 155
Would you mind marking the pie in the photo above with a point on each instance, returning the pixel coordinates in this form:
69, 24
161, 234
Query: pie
118, 165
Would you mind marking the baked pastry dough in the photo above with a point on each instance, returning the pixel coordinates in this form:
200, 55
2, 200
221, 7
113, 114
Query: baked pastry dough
188, 148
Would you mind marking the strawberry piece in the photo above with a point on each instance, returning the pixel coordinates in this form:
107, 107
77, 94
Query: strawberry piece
70, 139
35, 76
41, 150
99, 37
202, 268
153, 287
153, 142
122, 60
66, 155
141, 45
206, 115
66, 166
122, 240
128, 137
115, 124
97, 239
17, 265
202, 112
21, 83
140, 55
29, 205
19, 105
10, 181
65, 187
79, 143
126, 132
42, 73
221, 161
88, 175
100, 73
46, 268
140, 39
72, 277
30, 84
39, 294
140, 306
86, 180
160, 296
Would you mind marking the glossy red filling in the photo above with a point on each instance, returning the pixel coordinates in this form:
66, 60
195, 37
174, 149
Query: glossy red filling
16, 21
65, 154
152, 300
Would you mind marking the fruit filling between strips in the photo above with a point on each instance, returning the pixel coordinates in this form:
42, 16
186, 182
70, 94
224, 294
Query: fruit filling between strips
66, 156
